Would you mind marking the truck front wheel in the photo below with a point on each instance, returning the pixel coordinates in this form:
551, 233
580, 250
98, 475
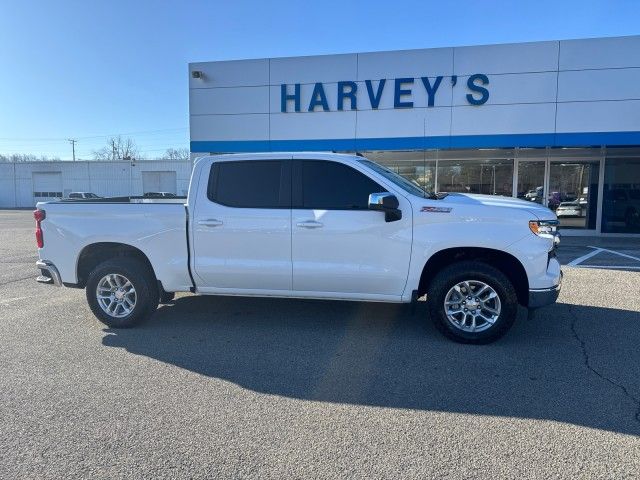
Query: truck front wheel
122, 292
472, 302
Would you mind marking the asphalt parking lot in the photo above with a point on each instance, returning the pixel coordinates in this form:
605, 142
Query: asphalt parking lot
268, 388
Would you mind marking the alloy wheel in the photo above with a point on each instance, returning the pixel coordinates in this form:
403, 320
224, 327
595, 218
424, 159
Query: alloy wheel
116, 295
472, 306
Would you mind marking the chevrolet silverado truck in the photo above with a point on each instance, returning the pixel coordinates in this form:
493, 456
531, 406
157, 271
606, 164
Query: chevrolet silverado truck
306, 225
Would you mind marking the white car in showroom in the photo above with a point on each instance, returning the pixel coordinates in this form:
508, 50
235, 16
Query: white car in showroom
570, 209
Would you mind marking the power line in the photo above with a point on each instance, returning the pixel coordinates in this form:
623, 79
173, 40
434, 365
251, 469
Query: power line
60, 139
91, 145
35, 139
141, 132
95, 145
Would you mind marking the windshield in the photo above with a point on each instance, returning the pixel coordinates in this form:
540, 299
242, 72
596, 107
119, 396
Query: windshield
396, 179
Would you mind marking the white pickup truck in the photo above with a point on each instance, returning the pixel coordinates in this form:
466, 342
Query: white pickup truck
306, 225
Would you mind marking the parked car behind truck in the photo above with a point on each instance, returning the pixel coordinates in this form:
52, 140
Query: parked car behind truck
82, 195
307, 225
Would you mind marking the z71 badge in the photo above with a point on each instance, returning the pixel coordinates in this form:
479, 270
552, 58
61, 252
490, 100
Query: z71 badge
436, 209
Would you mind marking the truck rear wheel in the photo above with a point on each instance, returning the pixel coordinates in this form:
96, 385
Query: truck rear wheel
122, 292
472, 302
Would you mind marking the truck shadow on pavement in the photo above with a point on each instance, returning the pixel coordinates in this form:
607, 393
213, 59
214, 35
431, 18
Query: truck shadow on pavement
570, 363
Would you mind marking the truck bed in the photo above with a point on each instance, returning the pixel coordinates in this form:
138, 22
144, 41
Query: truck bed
157, 227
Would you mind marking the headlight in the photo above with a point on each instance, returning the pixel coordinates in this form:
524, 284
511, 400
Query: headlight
545, 228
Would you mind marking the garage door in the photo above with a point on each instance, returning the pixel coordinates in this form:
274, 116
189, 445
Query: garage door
159, 182
47, 185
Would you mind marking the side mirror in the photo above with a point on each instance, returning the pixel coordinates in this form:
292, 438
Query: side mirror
387, 203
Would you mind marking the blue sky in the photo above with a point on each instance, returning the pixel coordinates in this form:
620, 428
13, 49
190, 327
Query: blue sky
91, 69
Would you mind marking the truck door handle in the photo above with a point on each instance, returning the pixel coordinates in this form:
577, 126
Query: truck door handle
210, 222
309, 224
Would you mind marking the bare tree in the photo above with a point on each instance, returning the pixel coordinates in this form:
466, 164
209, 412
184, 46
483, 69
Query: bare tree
118, 148
179, 154
24, 157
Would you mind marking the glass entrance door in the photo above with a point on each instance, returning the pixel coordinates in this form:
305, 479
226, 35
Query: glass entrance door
531, 180
621, 204
573, 192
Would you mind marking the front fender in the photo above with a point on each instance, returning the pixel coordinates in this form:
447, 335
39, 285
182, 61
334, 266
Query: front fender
469, 228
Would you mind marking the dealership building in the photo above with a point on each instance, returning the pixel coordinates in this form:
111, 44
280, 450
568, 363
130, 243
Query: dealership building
554, 122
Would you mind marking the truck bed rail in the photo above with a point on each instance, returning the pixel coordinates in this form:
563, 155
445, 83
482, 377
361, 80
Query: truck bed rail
130, 199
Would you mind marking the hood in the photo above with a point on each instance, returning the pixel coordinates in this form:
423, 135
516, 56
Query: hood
540, 211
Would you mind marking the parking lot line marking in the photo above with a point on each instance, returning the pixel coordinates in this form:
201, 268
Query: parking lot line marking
10, 300
581, 259
618, 253
633, 267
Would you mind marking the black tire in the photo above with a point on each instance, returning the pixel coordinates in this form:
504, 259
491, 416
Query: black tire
143, 281
166, 297
478, 271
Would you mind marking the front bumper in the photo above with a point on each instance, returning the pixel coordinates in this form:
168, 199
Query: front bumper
540, 297
48, 273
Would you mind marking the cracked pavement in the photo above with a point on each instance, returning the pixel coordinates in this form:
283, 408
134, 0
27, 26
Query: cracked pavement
589, 365
270, 388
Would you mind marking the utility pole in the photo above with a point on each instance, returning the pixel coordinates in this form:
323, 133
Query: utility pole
73, 147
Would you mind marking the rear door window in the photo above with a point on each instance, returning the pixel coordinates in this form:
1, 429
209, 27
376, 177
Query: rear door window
251, 184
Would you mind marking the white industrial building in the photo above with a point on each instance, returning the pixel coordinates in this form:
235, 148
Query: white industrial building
23, 184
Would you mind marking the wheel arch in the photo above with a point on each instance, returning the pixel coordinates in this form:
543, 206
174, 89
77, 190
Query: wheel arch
509, 265
95, 253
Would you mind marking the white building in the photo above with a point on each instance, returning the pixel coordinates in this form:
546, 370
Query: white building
24, 184
556, 122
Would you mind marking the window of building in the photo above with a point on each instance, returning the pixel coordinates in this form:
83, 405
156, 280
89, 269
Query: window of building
251, 184
621, 203
488, 176
47, 194
333, 186
417, 167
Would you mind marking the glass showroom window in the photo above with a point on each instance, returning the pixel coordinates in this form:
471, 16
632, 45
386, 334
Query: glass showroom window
488, 176
621, 205
417, 167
